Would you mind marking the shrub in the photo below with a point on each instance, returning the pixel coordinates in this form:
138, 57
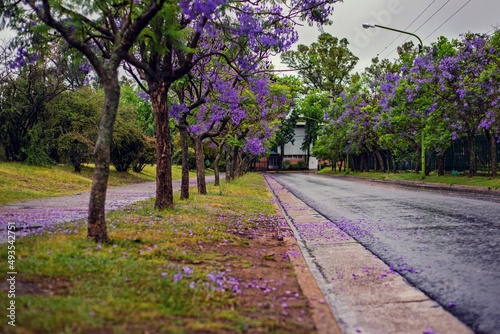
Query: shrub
74, 148
286, 164
147, 156
127, 144
36, 151
302, 165
177, 158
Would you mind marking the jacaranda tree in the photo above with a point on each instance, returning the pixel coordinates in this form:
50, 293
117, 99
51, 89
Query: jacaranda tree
239, 33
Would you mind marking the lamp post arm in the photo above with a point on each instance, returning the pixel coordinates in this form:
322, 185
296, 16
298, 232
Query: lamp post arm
421, 45
420, 49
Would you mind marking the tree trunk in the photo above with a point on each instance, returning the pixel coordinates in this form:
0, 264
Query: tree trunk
228, 163
243, 163
96, 216
418, 164
393, 163
427, 167
308, 156
441, 158
216, 167
218, 156
493, 156
164, 188
375, 161
282, 155
200, 165
380, 160
234, 162
472, 154
364, 163
185, 160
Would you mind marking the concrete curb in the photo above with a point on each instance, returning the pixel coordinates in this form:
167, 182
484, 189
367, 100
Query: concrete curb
322, 315
426, 185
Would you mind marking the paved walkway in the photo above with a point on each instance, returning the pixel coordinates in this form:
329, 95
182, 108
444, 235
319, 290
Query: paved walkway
38, 215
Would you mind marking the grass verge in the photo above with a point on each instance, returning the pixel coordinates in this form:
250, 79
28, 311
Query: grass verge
212, 264
20, 182
476, 181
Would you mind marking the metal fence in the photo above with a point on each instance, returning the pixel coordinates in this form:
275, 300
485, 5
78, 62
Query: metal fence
456, 158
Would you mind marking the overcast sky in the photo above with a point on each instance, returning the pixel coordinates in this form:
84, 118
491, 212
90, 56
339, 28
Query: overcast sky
428, 19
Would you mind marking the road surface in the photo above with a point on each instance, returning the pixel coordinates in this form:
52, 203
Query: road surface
446, 244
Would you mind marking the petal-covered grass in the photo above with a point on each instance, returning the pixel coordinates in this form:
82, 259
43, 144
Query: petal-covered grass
212, 264
20, 182
447, 179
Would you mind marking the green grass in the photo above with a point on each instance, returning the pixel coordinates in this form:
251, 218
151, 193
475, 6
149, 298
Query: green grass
68, 284
23, 182
447, 179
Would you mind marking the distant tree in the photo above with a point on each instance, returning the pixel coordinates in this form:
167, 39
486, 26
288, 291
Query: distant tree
27, 87
312, 110
324, 65
285, 134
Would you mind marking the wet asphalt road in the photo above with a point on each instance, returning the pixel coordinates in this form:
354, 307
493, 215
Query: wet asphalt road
445, 243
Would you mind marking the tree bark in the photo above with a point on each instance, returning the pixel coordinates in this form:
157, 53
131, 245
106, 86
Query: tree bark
234, 162
393, 163
418, 164
185, 160
441, 158
472, 155
200, 164
164, 187
228, 164
96, 216
239, 164
216, 163
282, 156
247, 164
493, 156
216, 168
375, 161
380, 160
364, 163
308, 156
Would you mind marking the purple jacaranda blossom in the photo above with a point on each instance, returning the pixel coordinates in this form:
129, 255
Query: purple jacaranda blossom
187, 270
177, 277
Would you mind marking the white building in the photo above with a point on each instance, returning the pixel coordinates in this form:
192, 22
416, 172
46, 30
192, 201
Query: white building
293, 153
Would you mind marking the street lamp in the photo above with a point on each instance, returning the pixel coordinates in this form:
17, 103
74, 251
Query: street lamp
420, 44
420, 49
